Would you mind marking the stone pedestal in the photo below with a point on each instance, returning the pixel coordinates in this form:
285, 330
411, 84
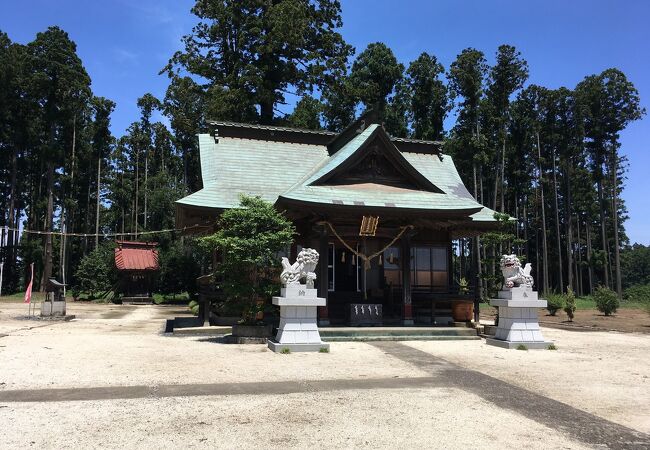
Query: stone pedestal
298, 330
52, 309
518, 323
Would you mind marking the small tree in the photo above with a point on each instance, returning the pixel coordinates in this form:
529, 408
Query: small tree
606, 300
554, 302
570, 304
250, 238
96, 271
496, 243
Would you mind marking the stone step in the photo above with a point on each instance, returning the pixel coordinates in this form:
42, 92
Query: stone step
397, 338
405, 332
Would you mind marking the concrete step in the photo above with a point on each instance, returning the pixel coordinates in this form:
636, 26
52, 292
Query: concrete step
202, 331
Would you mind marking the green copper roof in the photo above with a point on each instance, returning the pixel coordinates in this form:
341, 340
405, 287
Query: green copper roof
286, 170
234, 166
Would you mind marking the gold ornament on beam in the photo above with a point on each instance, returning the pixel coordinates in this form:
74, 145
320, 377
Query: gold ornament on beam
343, 256
369, 226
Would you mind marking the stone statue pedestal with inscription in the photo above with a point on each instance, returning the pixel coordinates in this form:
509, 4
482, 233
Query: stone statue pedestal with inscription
298, 330
518, 323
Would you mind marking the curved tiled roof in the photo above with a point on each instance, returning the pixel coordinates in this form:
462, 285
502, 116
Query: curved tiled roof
136, 256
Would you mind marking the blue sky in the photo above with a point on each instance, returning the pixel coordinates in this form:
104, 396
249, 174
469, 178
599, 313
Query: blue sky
125, 43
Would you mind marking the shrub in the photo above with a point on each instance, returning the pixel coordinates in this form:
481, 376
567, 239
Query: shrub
638, 294
522, 347
606, 300
250, 238
194, 307
554, 303
285, 351
551, 347
323, 350
570, 304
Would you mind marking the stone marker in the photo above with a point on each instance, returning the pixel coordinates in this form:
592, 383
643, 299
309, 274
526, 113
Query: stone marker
518, 304
298, 330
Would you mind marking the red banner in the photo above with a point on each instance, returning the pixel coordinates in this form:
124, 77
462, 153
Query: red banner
28, 292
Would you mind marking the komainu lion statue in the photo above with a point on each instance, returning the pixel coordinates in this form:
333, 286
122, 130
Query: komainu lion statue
513, 274
303, 268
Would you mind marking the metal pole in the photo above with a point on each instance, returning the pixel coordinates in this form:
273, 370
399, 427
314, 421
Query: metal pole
1, 271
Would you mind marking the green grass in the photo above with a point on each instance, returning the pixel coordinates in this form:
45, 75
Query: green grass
20, 296
161, 299
586, 303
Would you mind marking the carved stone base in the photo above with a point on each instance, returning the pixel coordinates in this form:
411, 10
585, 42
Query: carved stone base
298, 329
518, 322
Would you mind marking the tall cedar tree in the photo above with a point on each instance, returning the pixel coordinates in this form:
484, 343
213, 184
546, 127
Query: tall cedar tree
254, 52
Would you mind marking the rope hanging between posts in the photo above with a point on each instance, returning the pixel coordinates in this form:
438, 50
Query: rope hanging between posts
366, 259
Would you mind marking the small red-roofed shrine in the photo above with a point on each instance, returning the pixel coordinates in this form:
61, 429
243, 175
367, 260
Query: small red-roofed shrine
137, 265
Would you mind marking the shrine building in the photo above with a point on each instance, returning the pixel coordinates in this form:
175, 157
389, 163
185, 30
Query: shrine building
361, 192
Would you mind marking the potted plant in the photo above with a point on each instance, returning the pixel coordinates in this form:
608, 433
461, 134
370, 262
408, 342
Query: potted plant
249, 238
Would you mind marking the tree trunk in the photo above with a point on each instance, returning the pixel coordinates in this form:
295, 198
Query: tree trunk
137, 192
590, 267
266, 112
543, 208
569, 224
603, 234
617, 252
99, 190
560, 271
12, 253
47, 251
146, 185
578, 259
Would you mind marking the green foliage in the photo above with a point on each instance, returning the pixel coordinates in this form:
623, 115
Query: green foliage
179, 268
551, 347
96, 272
606, 300
252, 52
285, 351
250, 238
374, 75
635, 265
307, 114
324, 350
429, 99
637, 294
522, 347
570, 304
194, 307
555, 302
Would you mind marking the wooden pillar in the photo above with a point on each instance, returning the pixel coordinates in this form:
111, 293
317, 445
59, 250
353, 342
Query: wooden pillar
323, 281
407, 307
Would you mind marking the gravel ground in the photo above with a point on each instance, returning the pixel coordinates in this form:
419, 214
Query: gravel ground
602, 373
338, 419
